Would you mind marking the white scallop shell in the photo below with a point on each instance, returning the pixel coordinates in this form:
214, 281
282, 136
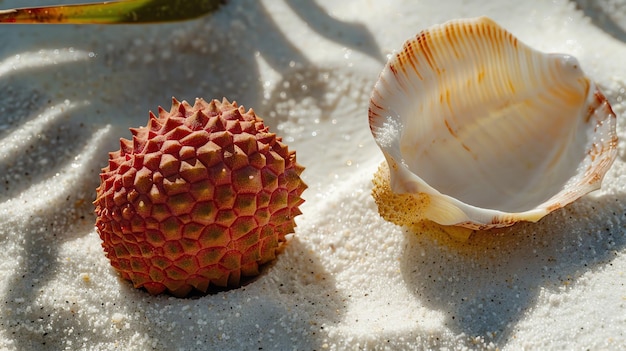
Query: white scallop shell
491, 130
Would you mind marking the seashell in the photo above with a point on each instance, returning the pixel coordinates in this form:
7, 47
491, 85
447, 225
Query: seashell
481, 131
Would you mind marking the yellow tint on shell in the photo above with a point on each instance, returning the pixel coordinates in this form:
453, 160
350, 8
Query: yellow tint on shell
409, 210
401, 209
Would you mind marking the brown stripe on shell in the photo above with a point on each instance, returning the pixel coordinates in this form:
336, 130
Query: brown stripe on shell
422, 41
410, 48
450, 35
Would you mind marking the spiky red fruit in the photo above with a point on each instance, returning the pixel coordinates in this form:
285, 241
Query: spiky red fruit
203, 195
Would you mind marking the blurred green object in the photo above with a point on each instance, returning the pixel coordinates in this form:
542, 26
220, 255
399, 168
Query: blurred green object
112, 12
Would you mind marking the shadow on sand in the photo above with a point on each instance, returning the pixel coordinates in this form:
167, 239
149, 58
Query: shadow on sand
125, 78
485, 285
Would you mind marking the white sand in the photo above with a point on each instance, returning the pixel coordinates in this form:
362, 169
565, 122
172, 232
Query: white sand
348, 279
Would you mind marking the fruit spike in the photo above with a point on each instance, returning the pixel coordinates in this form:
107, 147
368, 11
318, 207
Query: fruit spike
201, 196
112, 12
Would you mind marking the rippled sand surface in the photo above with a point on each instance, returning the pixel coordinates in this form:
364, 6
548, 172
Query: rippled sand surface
348, 279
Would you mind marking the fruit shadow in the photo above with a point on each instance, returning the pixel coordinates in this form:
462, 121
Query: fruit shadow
211, 57
488, 283
286, 307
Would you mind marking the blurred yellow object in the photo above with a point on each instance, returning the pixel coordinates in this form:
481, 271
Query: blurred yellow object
112, 12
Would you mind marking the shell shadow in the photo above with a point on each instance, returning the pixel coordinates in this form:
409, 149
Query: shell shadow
485, 285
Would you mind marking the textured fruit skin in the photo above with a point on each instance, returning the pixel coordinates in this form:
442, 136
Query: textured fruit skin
201, 196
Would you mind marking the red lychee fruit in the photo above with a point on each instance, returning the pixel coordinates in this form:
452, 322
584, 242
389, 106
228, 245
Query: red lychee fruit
201, 196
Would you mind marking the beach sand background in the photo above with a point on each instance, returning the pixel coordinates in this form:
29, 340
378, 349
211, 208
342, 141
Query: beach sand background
347, 279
